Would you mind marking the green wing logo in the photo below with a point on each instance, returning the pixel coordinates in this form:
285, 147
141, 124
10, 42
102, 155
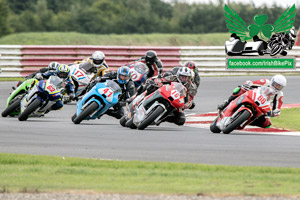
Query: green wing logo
237, 25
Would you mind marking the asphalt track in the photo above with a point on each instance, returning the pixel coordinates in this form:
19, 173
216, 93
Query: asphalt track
55, 134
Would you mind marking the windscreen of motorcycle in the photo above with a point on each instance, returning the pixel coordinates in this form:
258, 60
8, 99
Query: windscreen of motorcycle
180, 88
268, 92
87, 67
113, 86
54, 85
139, 71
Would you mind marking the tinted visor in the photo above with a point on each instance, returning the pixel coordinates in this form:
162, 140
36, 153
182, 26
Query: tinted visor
277, 86
98, 62
62, 74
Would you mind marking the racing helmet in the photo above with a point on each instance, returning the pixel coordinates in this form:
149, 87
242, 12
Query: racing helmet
184, 75
53, 66
123, 74
63, 71
292, 34
98, 58
150, 57
278, 82
191, 65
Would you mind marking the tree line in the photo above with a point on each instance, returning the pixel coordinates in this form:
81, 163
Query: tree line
123, 16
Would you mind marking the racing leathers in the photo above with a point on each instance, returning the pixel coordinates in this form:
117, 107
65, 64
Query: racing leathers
276, 101
101, 70
154, 69
128, 90
178, 116
69, 87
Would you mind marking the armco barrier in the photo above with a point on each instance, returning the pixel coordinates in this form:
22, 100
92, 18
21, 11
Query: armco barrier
16, 60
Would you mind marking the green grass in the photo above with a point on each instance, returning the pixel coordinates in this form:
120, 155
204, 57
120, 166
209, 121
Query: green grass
72, 38
48, 173
11, 79
289, 119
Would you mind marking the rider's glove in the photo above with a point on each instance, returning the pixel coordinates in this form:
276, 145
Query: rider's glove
39, 76
247, 85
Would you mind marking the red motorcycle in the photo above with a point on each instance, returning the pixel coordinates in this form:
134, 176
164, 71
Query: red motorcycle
243, 110
155, 107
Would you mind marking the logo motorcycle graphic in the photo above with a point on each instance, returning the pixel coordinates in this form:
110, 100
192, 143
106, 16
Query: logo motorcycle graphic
237, 25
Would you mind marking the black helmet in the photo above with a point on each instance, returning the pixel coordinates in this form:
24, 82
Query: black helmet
150, 57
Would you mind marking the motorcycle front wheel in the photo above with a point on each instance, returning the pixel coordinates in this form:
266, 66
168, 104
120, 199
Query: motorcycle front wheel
238, 120
30, 109
11, 108
86, 112
150, 118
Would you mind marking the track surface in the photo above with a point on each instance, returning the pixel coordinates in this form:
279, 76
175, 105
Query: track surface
55, 134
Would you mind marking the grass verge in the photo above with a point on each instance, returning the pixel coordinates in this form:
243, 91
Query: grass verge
289, 119
49, 173
11, 79
157, 39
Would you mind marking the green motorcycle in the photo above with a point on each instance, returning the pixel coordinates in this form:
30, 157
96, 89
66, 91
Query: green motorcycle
14, 100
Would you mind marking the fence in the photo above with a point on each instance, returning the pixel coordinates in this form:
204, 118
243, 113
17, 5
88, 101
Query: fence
17, 61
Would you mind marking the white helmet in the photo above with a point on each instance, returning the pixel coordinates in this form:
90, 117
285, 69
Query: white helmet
184, 75
53, 65
98, 58
278, 82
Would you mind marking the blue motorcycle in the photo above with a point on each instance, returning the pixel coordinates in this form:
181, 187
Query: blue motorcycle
41, 97
97, 101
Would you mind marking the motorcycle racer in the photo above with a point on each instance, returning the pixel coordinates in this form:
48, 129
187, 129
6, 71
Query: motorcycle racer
194, 69
184, 76
153, 63
63, 72
277, 83
123, 78
98, 61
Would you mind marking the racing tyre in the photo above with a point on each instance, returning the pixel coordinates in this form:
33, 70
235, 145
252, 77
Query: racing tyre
30, 109
73, 117
86, 112
123, 121
11, 108
239, 119
130, 124
213, 127
150, 118
276, 49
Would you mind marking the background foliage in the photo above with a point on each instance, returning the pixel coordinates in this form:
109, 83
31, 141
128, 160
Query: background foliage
123, 16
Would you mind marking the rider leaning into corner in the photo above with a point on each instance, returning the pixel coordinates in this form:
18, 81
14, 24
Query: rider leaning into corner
122, 78
153, 63
63, 72
98, 62
184, 76
277, 83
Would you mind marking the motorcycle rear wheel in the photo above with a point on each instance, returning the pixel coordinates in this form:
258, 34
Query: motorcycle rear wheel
123, 121
236, 122
30, 109
86, 112
150, 118
11, 108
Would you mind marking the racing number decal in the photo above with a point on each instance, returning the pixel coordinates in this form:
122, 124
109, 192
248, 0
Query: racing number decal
108, 93
133, 75
106, 90
261, 99
79, 74
175, 94
51, 88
